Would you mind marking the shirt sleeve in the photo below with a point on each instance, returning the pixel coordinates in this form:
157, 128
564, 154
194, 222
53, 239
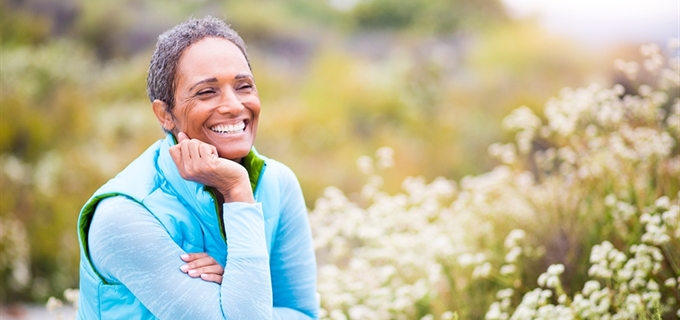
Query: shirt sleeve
292, 261
129, 246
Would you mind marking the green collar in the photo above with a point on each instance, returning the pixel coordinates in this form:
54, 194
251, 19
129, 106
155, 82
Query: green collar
254, 165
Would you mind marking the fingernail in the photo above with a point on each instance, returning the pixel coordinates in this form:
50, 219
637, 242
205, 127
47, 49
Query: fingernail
192, 272
184, 268
184, 256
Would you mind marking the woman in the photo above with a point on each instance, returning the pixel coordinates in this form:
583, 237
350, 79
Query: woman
200, 226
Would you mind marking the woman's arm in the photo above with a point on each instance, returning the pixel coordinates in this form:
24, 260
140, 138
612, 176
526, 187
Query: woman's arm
129, 246
292, 261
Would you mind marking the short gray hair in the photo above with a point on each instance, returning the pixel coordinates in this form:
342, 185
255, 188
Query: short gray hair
160, 81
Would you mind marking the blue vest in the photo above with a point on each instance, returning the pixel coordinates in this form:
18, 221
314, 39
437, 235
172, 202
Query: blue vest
188, 211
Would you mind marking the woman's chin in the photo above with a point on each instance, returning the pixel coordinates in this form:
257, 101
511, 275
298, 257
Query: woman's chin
234, 154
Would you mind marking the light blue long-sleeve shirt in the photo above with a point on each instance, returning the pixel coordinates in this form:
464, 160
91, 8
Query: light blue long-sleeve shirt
130, 246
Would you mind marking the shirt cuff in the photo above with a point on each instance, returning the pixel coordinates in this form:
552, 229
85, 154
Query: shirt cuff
244, 227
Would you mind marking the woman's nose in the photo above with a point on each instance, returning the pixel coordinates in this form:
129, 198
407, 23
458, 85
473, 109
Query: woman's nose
230, 103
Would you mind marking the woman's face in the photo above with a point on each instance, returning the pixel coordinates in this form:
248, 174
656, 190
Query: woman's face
216, 98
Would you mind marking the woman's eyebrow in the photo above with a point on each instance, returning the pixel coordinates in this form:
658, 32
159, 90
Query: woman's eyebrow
213, 79
203, 81
242, 76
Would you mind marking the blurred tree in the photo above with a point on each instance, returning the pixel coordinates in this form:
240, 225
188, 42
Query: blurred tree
44, 115
19, 26
432, 17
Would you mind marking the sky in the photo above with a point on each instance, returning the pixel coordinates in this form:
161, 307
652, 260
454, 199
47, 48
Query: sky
604, 22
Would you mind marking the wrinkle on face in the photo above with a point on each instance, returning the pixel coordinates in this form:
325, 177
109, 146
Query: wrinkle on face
188, 103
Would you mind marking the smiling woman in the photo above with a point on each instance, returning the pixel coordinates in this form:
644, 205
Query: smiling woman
216, 98
200, 226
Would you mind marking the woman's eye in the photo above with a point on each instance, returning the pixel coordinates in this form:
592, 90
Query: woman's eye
205, 92
246, 87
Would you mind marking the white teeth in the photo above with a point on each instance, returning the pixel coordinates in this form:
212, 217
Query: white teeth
229, 128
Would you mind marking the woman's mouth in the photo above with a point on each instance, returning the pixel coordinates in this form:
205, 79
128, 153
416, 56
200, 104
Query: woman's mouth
229, 128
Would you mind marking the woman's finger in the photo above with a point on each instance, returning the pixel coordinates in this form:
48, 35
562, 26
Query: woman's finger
212, 277
194, 148
176, 150
205, 150
212, 269
181, 136
186, 151
201, 262
188, 257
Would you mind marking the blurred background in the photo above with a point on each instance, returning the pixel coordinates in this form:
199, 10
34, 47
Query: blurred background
338, 79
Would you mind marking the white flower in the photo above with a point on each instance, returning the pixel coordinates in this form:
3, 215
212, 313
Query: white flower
522, 118
365, 164
508, 269
385, 156
504, 293
556, 269
513, 254
482, 271
495, 313
610, 200
630, 69
466, 259
625, 274
590, 287
338, 315
542, 279
71, 294
360, 312
662, 202
514, 237
652, 285
600, 252
448, 315
504, 152
53, 304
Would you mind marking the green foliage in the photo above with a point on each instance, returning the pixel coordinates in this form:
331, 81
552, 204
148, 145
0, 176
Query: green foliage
434, 17
20, 27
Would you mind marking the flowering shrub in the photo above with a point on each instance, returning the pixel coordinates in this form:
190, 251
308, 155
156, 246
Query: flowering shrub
589, 193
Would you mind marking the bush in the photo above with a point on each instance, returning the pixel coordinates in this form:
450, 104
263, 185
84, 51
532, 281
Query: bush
589, 193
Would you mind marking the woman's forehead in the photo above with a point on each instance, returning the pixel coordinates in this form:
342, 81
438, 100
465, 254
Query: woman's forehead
210, 56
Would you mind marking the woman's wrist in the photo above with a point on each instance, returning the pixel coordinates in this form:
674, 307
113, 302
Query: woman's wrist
238, 191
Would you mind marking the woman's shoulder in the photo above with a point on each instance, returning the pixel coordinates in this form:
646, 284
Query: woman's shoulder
283, 173
117, 208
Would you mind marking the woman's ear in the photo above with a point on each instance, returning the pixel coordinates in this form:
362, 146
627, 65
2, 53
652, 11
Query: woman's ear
165, 118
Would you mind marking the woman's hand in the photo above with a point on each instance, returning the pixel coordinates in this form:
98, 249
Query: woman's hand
202, 265
198, 161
